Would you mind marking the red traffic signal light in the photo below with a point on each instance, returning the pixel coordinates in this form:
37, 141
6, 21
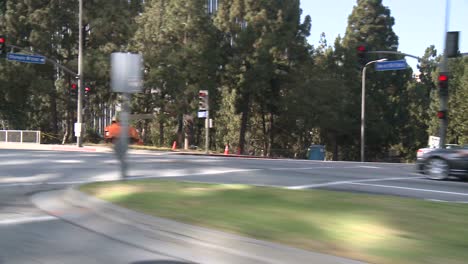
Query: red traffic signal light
203, 100
362, 54
2, 45
443, 84
73, 90
87, 89
361, 48
442, 114
443, 78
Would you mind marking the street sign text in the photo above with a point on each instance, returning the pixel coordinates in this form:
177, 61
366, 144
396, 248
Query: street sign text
36, 59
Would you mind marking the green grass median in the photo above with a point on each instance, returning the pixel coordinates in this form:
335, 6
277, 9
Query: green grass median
371, 228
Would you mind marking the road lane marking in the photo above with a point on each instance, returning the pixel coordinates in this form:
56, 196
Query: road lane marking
408, 188
304, 168
348, 182
35, 178
21, 162
184, 173
368, 167
445, 201
69, 161
30, 219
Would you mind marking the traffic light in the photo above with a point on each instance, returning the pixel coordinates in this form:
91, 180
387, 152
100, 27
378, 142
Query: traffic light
203, 100
442, 114
87, 91
362, 54
443, 84
3, 50
451, 44
73, 90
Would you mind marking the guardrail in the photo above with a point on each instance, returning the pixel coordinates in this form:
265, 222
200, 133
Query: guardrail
20, 136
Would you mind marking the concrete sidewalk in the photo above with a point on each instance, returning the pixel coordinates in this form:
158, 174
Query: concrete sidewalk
55, 147
109, 148
187, 243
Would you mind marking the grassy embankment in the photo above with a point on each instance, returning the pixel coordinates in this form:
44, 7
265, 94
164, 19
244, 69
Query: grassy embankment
376, 229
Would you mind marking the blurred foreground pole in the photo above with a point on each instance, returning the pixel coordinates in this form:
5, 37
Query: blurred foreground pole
126, 73
121, 146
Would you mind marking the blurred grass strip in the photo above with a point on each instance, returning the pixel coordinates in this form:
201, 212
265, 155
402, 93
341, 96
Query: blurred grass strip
371, 228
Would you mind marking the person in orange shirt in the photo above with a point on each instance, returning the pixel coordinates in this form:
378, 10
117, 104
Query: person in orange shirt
112, 133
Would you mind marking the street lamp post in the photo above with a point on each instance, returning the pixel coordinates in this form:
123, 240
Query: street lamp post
363, 106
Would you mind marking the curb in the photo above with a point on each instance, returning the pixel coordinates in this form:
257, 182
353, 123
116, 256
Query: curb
223, 155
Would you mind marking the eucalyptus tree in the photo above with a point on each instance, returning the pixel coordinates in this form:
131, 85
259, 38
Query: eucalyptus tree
258, 38
43, 27
178, 42
371, 23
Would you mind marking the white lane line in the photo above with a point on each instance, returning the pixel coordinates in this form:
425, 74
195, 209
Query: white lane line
21, 162
18, 184
30, 219
69, 161
368, 167
112, 176
184, 173
348, 182
445, 201
36, 178
408, 188
304, 168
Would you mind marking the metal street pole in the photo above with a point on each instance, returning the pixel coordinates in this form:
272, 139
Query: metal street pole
363, 106
443, 99
207, 125
79, 111
123, 141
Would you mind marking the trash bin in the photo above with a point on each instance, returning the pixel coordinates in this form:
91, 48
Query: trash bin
316, 152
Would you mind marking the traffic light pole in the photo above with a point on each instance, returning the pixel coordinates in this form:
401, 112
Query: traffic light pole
79, 111
443, 98
207, 126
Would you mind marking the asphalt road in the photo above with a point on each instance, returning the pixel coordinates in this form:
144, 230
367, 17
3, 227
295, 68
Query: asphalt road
28, 235
59, 168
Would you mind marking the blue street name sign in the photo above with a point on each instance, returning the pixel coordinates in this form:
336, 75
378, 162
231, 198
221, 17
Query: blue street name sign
26, 58
391, 65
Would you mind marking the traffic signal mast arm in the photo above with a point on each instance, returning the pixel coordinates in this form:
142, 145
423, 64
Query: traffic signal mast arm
47, 59
395, 53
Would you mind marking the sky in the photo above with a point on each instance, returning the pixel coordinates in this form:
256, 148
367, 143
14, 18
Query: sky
418, 23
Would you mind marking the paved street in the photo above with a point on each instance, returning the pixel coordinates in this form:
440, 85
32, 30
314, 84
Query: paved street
28, 235
55, 168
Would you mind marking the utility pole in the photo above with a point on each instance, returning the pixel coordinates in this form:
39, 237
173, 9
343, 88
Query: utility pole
79, 112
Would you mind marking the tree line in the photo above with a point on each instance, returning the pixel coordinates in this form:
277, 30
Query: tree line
271, 92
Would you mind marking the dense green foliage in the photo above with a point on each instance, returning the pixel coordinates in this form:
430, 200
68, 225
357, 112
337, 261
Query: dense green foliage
271, 92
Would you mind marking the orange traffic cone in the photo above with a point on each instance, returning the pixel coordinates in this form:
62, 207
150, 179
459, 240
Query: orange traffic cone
174, 145
226, 150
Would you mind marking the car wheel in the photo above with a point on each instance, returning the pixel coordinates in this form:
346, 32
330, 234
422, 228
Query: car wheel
436, 169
